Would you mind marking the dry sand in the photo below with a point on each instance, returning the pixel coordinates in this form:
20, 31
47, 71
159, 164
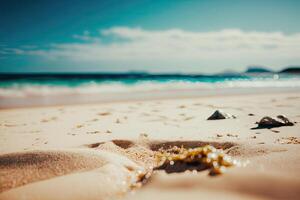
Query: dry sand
99, 151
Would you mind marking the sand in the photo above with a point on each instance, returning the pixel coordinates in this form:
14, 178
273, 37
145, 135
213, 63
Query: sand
104, 151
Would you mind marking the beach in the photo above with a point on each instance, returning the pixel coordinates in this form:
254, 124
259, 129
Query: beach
103, 150
143, 100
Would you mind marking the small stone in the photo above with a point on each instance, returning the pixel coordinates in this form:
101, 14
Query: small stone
104, 113
269, 122
275, 131
93, 132
220, 115
231, 135
79, 126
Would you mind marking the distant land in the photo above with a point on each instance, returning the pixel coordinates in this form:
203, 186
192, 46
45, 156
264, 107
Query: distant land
252, 69
257, 69
262, 69
292, 69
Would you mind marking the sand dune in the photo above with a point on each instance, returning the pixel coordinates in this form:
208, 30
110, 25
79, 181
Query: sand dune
34, 174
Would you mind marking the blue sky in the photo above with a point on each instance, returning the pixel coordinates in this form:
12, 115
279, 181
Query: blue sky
205, 36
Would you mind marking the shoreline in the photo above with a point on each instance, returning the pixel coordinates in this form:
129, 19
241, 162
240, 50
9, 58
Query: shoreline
79, 99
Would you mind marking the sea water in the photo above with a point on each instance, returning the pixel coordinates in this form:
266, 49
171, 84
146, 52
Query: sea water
34, 85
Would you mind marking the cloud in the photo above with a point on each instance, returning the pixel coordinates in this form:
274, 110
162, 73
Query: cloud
175, 49
86, 36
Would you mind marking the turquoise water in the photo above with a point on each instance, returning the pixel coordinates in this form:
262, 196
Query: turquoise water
75, 80
20, 85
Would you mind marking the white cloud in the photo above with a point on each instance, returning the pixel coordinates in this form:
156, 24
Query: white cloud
176, 50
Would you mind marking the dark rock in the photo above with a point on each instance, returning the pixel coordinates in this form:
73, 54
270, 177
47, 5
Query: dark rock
269, 122
220, 115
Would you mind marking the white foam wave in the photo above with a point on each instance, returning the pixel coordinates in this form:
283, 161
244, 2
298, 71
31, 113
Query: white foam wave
29, 90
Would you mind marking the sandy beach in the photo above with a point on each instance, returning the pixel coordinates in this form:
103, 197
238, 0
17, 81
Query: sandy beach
104, 150
145, 100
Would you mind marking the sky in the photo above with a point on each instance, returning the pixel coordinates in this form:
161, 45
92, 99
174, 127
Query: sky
186, 36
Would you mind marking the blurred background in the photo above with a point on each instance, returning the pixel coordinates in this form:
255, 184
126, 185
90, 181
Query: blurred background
54, 52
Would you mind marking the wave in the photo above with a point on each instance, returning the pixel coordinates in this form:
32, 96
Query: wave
22, 90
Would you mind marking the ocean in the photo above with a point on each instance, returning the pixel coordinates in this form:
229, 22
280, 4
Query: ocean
24, 85
62, 88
